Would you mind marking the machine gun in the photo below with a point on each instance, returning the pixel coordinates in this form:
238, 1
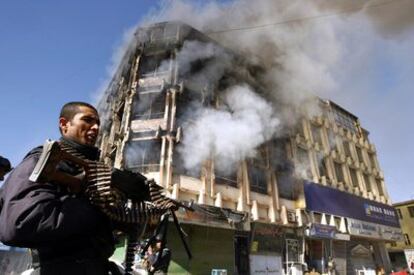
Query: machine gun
129, 199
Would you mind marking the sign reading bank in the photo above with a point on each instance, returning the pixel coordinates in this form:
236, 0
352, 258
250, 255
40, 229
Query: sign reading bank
335, 202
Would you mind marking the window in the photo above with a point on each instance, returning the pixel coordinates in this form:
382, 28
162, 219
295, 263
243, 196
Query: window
399, 213
354, 177
257, 179
331, 140
321, 164
345, 119
367, 183
316, 134
283, 168
152, 65
149, 105
302, 163
226, 178
339, 172
379, 187
411, 210
143, 156
359, 154
285, 185
347, 151
156, 33
407, 239
261, 157
372, 160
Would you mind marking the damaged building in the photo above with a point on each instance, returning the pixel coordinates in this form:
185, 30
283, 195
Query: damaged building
308, 192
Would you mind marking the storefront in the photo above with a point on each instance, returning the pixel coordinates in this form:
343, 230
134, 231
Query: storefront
218, 239
325, 246
266, 248
369, 224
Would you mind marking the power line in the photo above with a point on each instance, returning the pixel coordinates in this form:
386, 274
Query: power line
295, 20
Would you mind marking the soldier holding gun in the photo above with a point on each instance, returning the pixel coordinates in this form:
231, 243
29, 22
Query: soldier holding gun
70, 234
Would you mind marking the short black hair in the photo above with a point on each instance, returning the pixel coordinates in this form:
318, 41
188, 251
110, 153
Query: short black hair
5, 164
70, 109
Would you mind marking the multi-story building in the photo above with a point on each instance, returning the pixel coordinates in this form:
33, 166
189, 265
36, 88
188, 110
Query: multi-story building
314, 193
402, 251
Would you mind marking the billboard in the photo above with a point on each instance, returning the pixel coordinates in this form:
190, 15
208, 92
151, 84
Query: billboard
335, 202
409, 256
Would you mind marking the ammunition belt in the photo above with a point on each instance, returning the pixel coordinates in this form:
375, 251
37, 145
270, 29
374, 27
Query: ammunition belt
114, 203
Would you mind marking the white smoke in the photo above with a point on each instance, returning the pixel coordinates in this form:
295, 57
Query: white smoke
299, 57
309, 48
228, 135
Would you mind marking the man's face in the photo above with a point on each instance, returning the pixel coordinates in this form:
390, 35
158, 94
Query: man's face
82, 128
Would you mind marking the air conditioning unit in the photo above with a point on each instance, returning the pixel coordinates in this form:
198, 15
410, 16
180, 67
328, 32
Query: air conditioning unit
291, 216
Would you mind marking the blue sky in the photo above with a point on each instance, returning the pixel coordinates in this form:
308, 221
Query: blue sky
52, 52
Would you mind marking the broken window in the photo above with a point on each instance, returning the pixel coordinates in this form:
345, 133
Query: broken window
303, 165
157, 33
283, 169
321, 164
226, 178
152, 65
178, 165
278, 155
257, 179
286, 185
149, 105
163, 32
261, 157
143, 156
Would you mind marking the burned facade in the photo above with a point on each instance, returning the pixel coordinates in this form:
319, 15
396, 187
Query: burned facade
258, 212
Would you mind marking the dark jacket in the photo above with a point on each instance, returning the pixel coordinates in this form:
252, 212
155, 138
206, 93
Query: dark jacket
63, 227
160, 263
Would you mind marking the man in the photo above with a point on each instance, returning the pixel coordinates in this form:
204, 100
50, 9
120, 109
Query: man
69, 234
160, 260
5, 167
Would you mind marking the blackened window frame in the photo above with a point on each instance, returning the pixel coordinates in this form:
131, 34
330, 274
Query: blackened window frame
229, 179
155, 107
151, 159
302, 157
258, 178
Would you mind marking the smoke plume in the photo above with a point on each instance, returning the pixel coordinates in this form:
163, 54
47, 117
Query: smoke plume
305, 47
231, 134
